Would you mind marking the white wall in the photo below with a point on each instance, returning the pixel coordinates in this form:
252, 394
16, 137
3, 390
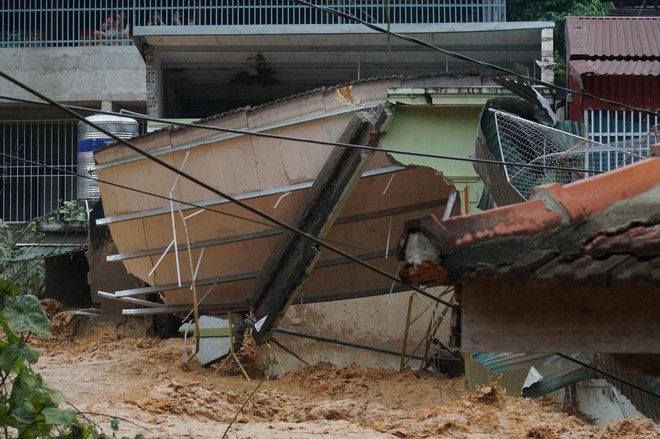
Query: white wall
602, 402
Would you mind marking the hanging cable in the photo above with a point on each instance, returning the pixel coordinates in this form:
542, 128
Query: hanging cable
211, 189
607, 374
164, 197
469, 59
313, 141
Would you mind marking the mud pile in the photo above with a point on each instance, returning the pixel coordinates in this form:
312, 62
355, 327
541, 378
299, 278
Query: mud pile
161, 394
65, 324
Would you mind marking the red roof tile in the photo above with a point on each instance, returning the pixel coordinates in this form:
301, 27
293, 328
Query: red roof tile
601, 230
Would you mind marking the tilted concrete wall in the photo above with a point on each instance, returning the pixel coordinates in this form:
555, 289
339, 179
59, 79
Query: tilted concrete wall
378, 322
76, 74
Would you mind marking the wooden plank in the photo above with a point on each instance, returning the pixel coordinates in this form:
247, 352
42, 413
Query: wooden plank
559, 317
282, 277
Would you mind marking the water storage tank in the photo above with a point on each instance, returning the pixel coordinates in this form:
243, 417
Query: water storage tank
90, 139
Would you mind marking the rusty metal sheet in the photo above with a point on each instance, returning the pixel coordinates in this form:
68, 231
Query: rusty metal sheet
616, 67
613, 37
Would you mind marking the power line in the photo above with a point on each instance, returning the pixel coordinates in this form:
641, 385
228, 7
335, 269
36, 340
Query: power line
314, 141
607, 374
140, 191
68, 110
163, 197
220, 193
470, 59
485, 64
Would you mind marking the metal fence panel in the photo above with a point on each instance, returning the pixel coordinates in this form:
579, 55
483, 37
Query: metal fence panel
45, 23
628, 130
38, 167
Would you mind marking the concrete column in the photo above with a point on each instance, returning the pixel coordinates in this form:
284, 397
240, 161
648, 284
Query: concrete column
106, 105
152, 86
547, 54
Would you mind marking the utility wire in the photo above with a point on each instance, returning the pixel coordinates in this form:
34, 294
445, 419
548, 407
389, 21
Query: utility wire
489, 65
467, 58
129, 188
68, 110
607, 374
313, 141
163, 197
220, 193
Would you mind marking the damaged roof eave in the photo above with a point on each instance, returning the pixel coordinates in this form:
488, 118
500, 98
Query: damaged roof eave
445, 96
557, 216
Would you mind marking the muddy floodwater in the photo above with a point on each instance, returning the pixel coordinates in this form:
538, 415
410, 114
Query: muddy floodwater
152, 390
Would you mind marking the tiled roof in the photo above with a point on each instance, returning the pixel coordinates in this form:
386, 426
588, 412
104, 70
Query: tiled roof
604, 230
616, 38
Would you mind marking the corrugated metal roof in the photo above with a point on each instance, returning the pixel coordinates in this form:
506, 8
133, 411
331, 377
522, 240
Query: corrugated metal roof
613, 37
554, 372
644, 402
616, 67
41, 251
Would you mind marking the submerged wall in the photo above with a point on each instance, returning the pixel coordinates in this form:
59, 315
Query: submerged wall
378, 322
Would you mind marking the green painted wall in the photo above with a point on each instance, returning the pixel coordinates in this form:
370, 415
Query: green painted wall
448, 131
435, 130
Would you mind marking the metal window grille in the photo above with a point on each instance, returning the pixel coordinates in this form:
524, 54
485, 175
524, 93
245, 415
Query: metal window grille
630, 130
29, 189
45, 23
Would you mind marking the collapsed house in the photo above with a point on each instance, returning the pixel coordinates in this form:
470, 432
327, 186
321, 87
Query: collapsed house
202, 249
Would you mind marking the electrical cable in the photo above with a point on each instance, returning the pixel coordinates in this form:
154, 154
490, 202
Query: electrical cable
222, 194
310, 237
469, 59
140, 191
607, 374
314, 141
163, 197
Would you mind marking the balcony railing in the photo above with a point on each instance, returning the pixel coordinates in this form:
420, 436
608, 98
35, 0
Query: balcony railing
44, 23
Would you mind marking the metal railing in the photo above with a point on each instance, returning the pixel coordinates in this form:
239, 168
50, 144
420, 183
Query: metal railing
630, 130
30, 190
44, 23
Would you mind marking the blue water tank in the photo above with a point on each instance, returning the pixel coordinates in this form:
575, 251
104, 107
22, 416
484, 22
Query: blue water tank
90, 139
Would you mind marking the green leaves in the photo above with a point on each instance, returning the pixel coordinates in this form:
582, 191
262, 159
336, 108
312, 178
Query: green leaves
32, 405
7, 287
55, 416
11, 354
24, 314
27, 274
28, 405
524, 10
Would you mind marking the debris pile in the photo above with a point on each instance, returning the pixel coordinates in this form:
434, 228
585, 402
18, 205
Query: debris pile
65, 324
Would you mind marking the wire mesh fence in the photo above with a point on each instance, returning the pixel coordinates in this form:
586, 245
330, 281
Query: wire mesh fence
561, 157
